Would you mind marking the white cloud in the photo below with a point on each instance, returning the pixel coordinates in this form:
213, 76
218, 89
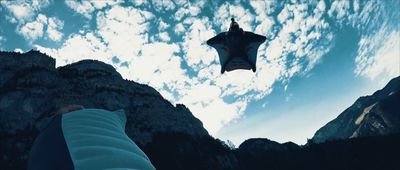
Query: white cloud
53, 29
179, 29
139, 3
372, 15
300, 39
161, 6
188, 9
378, 49
265, 7
211, 108
2, 40
260, 8
124, 29
162, 25
264, 23
33, 30
379, 55
339, 9
102, 4
18, 50
180, 13
180, 2
86, 8
19, 12
39, 4
197, 54
78, 47
22, 11
164, 36
241, 15
36, 29
321, 6
285, 14
159, 68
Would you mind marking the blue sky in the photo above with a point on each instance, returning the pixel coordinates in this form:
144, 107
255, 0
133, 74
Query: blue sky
319, 56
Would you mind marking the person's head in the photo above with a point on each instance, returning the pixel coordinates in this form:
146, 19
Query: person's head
234, 26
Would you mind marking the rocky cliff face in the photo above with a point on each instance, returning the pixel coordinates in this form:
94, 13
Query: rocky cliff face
378, 114
32, 89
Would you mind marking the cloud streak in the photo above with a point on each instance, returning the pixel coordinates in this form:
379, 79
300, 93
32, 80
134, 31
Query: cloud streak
378, 49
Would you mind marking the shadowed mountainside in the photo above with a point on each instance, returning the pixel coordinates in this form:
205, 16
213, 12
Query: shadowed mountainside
378, 114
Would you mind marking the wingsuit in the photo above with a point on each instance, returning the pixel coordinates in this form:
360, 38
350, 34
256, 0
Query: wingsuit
237, 49
87, 139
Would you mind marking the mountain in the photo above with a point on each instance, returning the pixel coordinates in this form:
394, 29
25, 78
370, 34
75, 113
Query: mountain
32, 89
378, 114
263, 144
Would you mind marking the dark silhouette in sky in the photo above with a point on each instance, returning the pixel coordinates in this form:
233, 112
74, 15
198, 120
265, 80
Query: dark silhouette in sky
237, 49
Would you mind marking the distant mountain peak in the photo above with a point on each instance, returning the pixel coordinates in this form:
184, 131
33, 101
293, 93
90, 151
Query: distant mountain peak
264, 144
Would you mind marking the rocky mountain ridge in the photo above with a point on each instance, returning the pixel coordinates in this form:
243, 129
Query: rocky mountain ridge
263, 144
374, 115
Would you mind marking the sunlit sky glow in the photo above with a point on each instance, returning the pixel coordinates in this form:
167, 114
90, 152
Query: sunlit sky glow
319, 56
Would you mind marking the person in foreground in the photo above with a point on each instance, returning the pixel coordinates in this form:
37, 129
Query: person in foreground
78, 138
